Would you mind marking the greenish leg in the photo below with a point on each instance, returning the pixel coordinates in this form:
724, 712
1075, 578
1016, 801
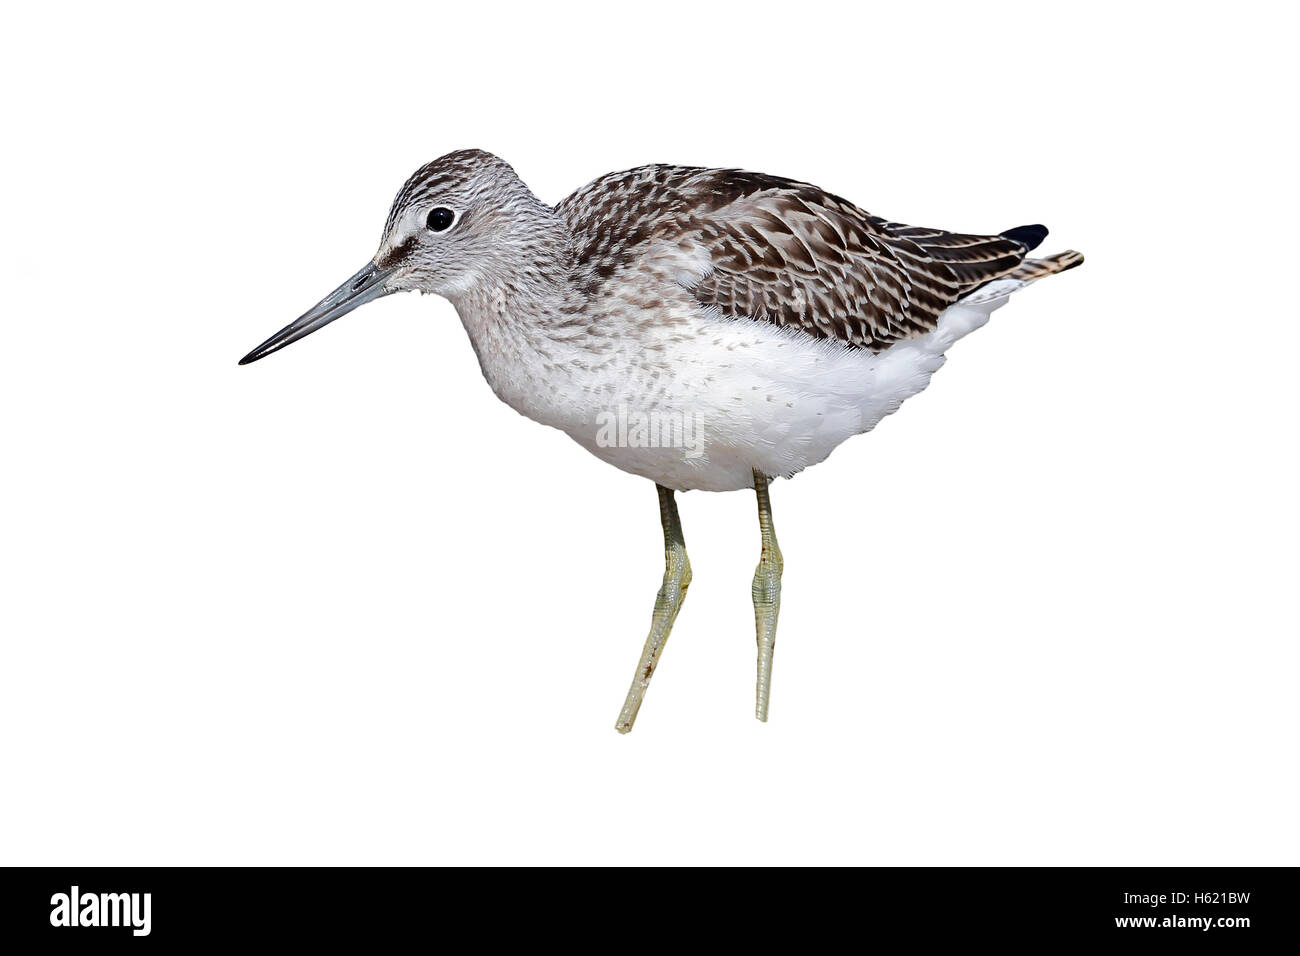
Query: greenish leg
677, 578
767, 596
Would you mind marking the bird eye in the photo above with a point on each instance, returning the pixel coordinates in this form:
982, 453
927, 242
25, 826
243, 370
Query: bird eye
440, 219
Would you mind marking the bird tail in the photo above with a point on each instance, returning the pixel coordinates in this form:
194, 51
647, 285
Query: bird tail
1030, 269
1033, 269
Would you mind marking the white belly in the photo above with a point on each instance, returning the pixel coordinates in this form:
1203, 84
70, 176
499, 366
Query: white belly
736, 396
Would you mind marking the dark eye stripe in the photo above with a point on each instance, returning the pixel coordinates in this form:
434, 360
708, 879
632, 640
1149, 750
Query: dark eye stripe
440, 218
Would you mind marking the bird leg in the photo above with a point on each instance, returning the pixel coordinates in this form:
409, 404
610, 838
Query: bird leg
767, 596
677, 578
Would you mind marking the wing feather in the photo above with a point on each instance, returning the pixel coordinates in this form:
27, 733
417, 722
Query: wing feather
785, 252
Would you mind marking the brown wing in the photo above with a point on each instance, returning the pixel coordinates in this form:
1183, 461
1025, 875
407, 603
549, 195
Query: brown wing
785, 252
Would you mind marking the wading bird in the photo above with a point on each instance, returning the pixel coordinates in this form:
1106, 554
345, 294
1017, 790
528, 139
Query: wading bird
764, 317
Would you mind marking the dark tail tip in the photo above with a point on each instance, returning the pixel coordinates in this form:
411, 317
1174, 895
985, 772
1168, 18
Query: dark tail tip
1028, 236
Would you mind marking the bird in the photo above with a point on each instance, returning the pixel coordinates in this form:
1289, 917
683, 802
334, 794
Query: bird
706, 329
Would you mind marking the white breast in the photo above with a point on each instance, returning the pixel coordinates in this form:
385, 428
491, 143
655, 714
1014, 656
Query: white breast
694, 400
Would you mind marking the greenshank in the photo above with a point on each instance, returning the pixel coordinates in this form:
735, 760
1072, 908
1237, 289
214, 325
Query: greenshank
707, 329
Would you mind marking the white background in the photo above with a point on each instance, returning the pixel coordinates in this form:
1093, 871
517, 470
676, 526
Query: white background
343, 606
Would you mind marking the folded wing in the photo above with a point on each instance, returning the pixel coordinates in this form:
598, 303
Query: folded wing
786, 252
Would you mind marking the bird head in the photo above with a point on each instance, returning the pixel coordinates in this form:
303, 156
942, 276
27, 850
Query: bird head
459, 222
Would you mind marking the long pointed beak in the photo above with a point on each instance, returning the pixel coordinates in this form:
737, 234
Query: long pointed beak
368, 284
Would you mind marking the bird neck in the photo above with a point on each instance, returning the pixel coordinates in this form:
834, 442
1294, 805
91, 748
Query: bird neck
520, 311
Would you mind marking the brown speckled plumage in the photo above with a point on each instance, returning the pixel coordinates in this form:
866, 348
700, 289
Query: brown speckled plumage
784, 251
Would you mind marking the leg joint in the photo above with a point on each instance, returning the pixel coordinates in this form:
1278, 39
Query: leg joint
767, 579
